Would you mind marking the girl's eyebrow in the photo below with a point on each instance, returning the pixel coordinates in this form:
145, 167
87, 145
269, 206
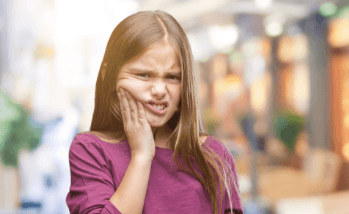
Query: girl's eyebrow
170, 72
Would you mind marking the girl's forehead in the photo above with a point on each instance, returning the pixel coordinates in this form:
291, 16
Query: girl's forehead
163, 54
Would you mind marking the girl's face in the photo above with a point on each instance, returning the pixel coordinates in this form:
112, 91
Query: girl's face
154, 79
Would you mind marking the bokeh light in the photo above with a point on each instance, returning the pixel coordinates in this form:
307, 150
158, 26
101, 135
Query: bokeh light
223, 37
274, 29
346, 151
328, 9
263, 4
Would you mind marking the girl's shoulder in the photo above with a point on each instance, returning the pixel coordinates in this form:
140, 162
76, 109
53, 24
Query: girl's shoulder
214, 143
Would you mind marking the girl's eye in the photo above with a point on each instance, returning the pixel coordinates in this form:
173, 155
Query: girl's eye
144, 75
174, 78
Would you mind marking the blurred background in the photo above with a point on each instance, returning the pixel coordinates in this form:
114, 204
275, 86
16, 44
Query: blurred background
273, 86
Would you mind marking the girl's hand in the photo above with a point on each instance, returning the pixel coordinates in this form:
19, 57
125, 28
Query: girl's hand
136, 126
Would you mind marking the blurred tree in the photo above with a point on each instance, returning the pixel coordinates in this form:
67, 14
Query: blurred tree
211, 119
288, 124
17, 131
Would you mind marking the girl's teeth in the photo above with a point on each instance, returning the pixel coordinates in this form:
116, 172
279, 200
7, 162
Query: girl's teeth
160, 107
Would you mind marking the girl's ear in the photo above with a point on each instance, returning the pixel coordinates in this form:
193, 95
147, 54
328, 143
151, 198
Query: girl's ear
104, 68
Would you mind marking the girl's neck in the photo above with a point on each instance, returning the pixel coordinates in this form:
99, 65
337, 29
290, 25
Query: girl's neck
161, 135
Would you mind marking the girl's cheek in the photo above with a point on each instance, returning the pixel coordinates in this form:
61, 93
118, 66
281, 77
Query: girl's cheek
122, 84
135, 93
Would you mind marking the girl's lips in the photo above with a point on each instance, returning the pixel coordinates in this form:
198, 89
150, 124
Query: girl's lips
155, 110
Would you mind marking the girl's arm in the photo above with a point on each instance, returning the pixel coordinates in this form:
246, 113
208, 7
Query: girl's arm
130, 195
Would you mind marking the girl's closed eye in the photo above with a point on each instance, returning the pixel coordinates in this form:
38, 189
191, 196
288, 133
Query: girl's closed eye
143, 75
173, 77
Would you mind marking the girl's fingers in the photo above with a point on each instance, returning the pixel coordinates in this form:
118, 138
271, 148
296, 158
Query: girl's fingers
133, 107
141, 112
125, 107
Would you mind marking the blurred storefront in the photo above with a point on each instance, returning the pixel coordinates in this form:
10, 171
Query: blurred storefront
274, 73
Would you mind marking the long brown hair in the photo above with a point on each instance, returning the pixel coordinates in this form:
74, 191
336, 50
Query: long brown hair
130, 39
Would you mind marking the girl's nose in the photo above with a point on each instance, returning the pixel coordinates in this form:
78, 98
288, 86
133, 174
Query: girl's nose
158, 89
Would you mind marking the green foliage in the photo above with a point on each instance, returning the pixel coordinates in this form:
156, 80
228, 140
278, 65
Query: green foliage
211, 119
17, 131
288, 125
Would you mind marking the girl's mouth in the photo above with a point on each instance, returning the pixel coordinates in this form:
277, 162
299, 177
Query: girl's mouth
157, 109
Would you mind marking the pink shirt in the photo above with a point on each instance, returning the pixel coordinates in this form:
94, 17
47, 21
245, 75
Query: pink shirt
97, 168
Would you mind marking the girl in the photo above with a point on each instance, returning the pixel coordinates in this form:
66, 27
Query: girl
145, 118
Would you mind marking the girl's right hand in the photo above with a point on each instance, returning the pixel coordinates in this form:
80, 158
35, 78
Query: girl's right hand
136, 126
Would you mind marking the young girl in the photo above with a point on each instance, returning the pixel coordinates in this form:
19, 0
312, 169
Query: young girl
145, 118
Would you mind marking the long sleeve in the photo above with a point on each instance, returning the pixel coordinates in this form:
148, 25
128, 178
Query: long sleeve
91, 182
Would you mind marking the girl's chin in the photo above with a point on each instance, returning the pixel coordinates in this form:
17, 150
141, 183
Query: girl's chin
155, 125
154, 121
